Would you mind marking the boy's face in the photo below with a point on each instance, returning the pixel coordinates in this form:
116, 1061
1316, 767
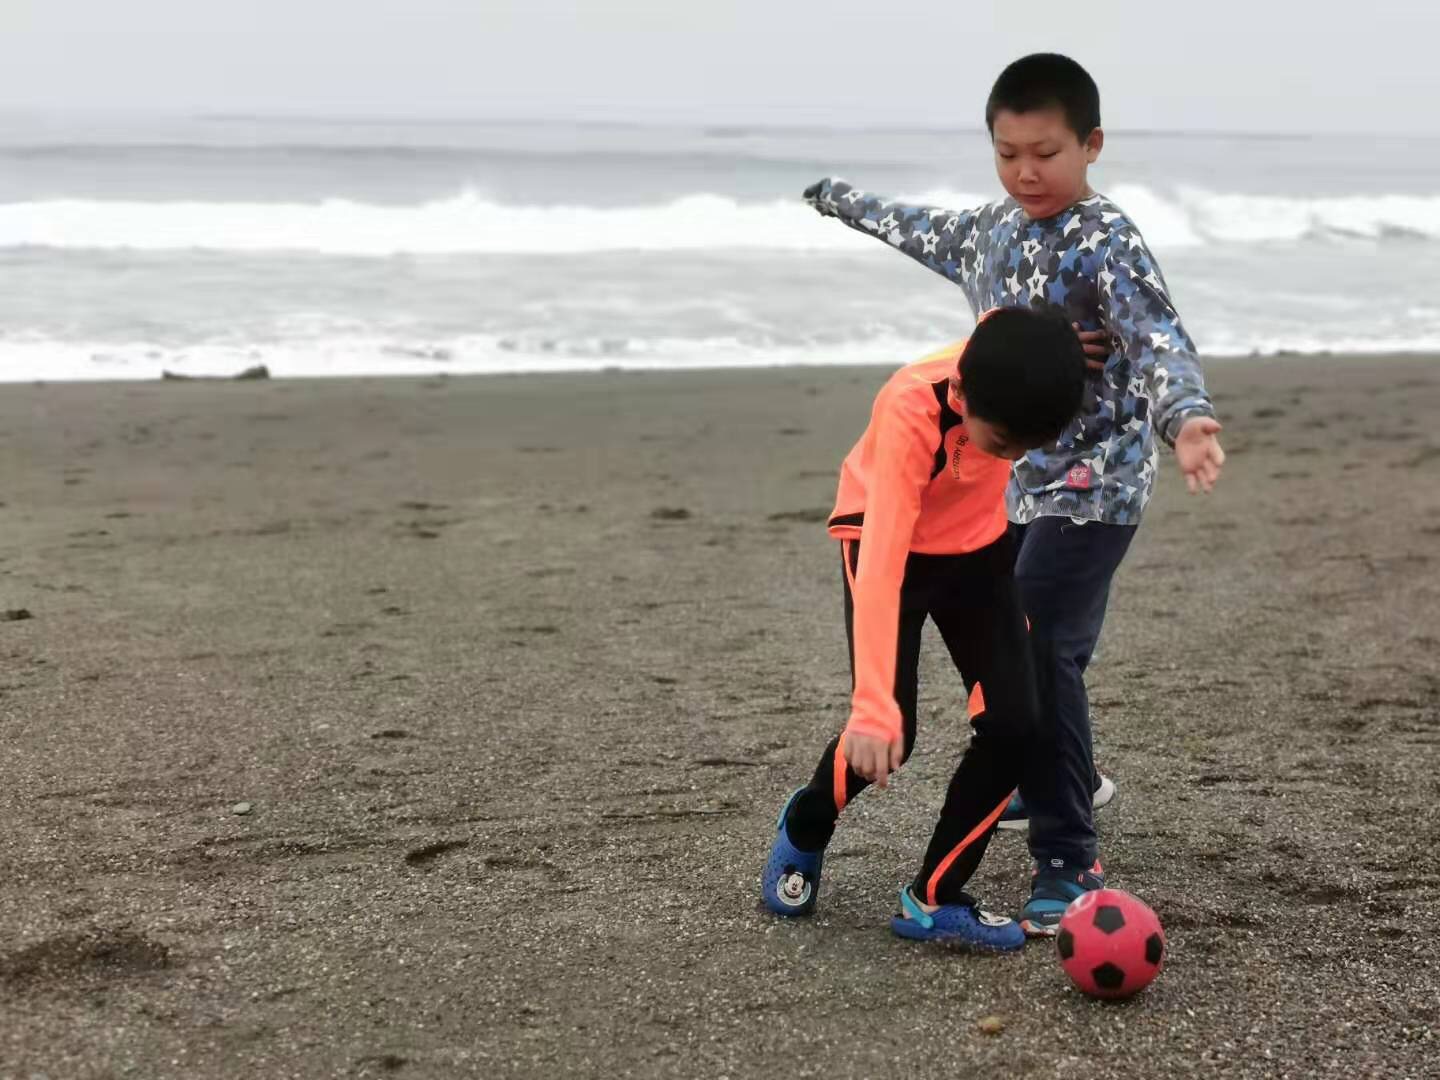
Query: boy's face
992, 439
1040, 160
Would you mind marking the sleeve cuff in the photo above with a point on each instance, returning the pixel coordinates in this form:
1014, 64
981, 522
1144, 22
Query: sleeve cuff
874, 727
1171, 429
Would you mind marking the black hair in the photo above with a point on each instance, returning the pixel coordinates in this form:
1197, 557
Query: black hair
1024, 370
1047, 81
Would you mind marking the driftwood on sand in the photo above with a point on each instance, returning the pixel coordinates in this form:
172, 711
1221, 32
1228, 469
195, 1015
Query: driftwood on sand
259, 371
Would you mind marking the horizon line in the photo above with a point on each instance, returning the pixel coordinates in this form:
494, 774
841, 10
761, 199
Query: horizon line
720, 127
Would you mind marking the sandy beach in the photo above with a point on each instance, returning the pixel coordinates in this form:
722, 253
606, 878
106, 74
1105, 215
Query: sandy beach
437, 728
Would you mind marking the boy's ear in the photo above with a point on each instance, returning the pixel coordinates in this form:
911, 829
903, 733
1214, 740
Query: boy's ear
1094, 143
957, 394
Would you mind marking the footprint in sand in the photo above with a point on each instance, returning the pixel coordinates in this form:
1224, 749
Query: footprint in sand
84, 957
807, 517
389, 1062
423, 856
348, 629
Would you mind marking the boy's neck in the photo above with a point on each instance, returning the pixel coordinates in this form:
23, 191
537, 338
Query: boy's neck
1086, 193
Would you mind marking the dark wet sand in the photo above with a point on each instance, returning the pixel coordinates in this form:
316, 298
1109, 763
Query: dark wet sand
514, 673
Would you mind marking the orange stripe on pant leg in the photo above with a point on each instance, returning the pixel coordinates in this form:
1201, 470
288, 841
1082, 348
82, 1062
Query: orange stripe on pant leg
838, 785
845, 558
977, 701
975, 834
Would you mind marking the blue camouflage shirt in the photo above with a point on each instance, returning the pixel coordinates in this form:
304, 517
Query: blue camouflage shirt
1091, 260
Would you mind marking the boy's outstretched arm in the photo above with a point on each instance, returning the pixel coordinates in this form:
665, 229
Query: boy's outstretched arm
1138, 311
930, 235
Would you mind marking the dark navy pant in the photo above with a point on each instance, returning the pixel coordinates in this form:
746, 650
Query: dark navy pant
1063, 571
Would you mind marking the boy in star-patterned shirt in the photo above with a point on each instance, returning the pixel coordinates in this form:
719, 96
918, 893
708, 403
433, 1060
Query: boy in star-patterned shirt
1075, 505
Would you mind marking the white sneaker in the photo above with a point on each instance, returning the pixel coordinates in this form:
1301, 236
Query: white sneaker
1016, 817
1104, 794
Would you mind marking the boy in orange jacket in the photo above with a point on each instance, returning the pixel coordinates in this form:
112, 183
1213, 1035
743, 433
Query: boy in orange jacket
920, 516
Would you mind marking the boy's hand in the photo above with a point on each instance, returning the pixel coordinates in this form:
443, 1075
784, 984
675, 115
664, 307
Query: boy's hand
874, 759
812, 196
1097, 346
1199, 454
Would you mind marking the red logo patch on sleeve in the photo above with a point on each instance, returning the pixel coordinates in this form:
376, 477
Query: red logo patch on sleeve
1079, 477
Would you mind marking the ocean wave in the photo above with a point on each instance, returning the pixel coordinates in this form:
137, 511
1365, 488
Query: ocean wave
36, 359
469, 223
464, 224
33, 359
1195, 217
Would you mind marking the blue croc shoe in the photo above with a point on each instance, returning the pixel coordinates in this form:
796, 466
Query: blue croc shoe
956, 924
1052, 888
791, 880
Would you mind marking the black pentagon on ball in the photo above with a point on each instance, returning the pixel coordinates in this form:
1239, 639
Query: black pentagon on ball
1154, 948
1109, 918
1065, 944
1108, 977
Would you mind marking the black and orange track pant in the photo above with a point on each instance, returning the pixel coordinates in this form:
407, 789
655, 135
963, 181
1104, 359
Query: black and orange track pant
973, 601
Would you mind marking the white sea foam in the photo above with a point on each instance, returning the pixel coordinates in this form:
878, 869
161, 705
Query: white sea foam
470, 223
29, 360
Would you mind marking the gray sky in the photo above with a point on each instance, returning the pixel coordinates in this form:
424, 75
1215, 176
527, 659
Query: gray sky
1220, 65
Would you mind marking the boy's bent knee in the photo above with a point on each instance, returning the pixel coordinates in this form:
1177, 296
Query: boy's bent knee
1019, 720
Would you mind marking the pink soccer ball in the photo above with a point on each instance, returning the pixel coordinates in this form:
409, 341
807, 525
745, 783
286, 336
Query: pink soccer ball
1110, 944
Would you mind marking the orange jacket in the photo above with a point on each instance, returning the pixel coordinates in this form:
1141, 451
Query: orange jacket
910, 484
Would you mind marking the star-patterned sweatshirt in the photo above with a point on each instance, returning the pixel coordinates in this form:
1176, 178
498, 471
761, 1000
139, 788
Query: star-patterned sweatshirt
1091, 260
